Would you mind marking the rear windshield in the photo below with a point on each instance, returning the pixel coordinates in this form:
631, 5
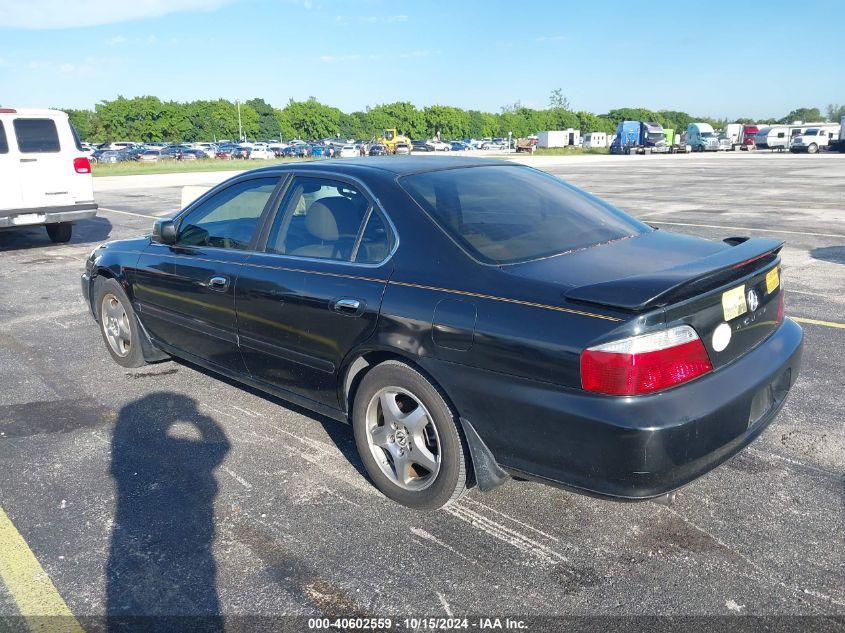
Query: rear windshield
4, 144
510, 214
36, 135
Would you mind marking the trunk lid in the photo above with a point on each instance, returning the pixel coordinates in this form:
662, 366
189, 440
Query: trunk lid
731, 286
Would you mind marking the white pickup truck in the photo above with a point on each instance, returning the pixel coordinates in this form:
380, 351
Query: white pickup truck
815, 138
45, 172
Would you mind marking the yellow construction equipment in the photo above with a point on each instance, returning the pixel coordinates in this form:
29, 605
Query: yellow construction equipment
391, 137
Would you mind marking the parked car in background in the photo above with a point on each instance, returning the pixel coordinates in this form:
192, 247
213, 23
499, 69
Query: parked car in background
117, 146
318, 150
262, 153
439, 146
171, 152
458, 146
210, 149
225, 152
378, 150
149, 156
112, 156
44, 171
349, 151
193, 154
421, 146
402, 149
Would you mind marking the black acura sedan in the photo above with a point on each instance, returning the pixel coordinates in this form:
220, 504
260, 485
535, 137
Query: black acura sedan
472, 319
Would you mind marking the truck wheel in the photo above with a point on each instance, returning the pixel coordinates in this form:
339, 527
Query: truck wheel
60, 232
408, 438
118, 324
813, 148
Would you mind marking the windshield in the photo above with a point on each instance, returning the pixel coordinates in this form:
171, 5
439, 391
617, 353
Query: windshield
509, 214
811, 132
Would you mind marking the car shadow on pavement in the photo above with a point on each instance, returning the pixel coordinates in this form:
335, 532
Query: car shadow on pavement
93, 231
161, 573
339, 433
835, 254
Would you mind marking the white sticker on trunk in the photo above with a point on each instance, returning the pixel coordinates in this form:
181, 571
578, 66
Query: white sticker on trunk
721, 337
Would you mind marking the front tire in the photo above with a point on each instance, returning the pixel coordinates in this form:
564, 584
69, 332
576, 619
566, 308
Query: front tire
813, 148
60, 232
408, 438
119, 326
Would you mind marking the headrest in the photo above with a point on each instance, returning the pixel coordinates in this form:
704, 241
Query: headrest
321, 223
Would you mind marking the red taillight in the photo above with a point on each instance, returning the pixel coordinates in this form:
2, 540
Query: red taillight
8, 111
646, 363
780, 306
82, 165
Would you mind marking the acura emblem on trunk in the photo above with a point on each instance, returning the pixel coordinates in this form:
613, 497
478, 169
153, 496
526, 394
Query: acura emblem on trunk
753, 301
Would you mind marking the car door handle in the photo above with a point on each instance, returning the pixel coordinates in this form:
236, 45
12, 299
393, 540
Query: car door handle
220, 284
348, 306
29, 160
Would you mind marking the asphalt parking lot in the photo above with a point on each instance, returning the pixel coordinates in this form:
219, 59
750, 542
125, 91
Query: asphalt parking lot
267, 511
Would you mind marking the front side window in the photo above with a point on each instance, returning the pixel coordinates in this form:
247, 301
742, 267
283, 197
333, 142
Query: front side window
4, 144
320, 218
37, 136
510, 214
230, 218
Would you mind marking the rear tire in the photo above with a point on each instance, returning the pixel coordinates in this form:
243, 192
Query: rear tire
60, 232
813, 148
408, 438
119, 326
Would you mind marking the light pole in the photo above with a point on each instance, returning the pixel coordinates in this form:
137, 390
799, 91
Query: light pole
240, 127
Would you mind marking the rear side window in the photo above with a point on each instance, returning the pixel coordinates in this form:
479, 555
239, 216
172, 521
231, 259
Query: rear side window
37, 136
375, 242
510, 214
4, 144
76, 139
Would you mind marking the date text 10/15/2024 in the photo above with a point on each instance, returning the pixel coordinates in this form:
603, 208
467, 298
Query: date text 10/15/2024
417, 624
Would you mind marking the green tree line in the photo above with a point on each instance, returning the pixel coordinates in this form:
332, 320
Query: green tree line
149, 119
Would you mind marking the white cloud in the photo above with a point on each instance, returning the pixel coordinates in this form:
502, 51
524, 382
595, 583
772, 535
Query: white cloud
66, 68
60, 14
152, 39
330, 59
36, 65
114, 41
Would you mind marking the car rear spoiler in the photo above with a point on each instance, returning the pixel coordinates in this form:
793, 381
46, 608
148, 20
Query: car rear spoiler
656, 289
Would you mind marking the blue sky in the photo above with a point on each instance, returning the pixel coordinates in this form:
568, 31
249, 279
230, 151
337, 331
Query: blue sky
716, 58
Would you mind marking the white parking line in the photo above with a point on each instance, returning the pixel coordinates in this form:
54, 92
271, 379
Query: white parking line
139, 215
747, 228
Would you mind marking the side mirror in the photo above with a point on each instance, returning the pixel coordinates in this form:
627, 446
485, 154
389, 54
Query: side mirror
164, 232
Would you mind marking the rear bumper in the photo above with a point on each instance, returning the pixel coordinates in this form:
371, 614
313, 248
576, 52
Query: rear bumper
626, 447
69, 213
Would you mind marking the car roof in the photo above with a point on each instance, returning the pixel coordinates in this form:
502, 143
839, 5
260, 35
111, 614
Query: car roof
44, 112
400, 166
